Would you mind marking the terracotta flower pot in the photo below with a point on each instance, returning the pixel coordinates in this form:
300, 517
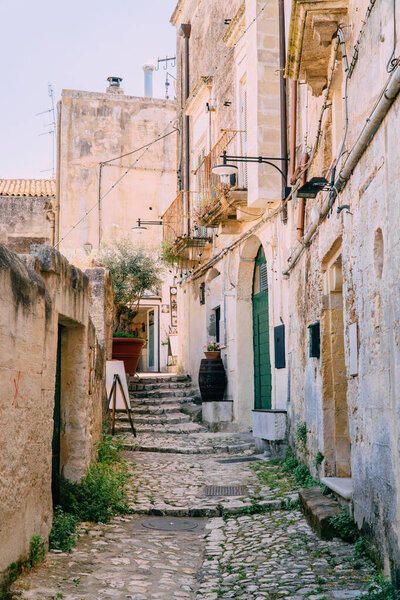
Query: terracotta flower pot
128, 350
213, 354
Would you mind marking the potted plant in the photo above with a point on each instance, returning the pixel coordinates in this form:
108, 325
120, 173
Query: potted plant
134, 271
213, 350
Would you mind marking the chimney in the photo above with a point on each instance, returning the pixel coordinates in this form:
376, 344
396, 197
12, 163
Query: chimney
114, 85
148, 69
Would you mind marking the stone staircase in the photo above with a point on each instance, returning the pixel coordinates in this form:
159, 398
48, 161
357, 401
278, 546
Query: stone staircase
157, 402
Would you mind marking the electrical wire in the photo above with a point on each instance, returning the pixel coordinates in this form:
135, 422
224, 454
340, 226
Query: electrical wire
179, 115
157, 139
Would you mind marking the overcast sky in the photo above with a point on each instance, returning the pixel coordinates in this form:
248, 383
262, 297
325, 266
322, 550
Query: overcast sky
74, 44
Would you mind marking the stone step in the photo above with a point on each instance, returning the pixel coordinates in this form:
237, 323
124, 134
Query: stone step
160, 378
139, 387
154, 401
156, 409
172, 447
162, 393
318, 509
178, 429
166, 419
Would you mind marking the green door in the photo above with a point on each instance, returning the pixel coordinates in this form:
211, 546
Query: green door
55, 476
262, 363
151, 340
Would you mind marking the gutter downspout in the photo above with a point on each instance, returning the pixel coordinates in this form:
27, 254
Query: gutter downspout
367, 134
56, 235
293, 130
302, 201
99, 204
184, 31
282, 96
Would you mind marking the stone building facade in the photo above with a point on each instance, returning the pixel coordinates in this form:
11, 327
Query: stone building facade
116, 164
52, 374
27, 212
303, 295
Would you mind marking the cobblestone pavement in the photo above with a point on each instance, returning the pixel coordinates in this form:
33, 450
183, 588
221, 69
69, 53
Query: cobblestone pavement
260, 557
173, 484
276, 555
120, 560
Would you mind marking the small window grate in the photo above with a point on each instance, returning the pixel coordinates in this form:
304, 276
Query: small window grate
225, 490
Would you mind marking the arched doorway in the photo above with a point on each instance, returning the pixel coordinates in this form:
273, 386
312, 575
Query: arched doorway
262, 363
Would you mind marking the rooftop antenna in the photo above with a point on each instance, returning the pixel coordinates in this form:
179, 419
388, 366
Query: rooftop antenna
168, 61
52, 125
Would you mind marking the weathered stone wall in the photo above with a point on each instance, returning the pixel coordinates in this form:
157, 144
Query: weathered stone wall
26, 220
39, 292
95, 128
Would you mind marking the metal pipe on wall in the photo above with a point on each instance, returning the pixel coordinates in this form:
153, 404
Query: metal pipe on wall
184, 31
372, 123
302, 202
293, 129
282, 94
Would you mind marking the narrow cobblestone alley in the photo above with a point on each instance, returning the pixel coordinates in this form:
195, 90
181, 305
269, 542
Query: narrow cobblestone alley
184, 544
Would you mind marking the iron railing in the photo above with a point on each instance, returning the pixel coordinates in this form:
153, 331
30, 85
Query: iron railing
180, 220
209, 187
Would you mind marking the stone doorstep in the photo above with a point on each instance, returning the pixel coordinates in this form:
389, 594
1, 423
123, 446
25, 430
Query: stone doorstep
318, 509
342, 486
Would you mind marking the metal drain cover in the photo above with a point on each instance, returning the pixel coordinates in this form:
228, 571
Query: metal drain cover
227, 461
171, 524
225, 490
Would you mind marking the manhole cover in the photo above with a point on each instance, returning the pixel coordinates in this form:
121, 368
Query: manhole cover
238, 460
225, 490
167, 524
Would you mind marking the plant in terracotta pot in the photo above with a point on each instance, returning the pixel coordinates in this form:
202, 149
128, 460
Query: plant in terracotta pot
134, 271
213, 350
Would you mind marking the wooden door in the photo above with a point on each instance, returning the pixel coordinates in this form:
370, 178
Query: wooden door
262, 362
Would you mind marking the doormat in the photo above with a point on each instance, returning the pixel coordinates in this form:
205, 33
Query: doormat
171, 524
227, 461
225, 490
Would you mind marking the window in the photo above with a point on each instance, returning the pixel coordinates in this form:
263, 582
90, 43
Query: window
315, 340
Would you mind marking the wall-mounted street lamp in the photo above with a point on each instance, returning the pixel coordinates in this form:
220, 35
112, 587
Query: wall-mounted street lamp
141, 226
225, 170
311, 188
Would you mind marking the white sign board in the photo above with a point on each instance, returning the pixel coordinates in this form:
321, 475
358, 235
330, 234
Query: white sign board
117, 367
173, 340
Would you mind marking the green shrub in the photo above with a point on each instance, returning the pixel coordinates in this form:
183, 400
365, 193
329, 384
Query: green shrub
63, 532
345, 526
98, 496
381, 589
37, 551
303, 477
109, 449
301, 435
290, 462
319, 457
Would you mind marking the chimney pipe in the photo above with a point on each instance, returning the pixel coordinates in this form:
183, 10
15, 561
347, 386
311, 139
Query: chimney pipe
114, 85
148, 69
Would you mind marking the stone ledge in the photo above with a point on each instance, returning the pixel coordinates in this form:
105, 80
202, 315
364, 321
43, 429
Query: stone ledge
318, 509
342, 486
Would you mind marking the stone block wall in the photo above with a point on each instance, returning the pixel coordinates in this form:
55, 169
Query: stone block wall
39, 292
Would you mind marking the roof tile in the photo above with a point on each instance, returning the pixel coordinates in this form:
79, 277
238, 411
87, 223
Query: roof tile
28, 187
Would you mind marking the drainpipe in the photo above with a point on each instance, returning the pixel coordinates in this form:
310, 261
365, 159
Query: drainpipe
184, 31
302, 201
100, 217
372, 124
282, 94
58, 175
293, 130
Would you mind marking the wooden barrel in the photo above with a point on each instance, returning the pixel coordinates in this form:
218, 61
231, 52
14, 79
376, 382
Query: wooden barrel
212, 380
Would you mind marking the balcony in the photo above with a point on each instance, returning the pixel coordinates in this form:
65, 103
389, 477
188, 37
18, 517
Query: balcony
182, 236
215, 201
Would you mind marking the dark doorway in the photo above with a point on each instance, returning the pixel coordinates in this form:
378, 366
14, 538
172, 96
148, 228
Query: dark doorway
55, 476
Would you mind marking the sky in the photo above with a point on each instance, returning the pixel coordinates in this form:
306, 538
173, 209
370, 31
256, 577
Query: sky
74, 44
